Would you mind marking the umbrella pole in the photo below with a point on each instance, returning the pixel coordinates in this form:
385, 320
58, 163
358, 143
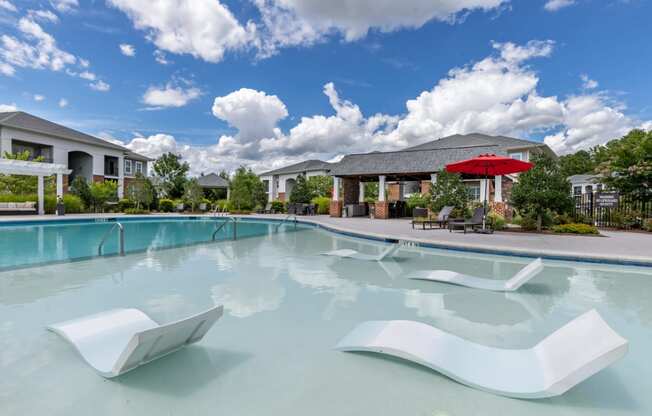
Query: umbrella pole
484, 204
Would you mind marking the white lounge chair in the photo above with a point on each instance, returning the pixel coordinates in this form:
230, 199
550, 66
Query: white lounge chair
511, 285
562, 360
353, 254
119, 340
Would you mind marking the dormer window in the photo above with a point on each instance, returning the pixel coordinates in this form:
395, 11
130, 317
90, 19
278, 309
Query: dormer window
517, 155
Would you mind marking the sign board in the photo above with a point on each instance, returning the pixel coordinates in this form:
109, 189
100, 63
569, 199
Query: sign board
607, 199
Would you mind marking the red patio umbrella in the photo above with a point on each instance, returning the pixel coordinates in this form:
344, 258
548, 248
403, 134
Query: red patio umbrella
489, 165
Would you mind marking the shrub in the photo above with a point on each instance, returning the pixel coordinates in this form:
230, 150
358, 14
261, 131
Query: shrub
279, 206
136, 211
647, 224
323, 204
575, 228
222, 204
166, 205
301, 192
497, 220
418, 201
560, 219
73, 204
125, 204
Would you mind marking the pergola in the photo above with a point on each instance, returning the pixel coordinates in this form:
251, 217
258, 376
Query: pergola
40, 170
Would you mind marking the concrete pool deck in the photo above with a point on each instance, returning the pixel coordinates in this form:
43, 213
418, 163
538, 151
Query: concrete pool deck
618, 247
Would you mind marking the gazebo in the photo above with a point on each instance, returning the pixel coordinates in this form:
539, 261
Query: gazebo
40, 170
213, 181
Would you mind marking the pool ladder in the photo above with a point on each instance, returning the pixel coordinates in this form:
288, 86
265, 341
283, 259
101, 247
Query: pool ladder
286, 219
235, 228
121, 241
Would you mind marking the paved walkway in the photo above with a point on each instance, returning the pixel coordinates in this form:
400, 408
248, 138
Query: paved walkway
614, 247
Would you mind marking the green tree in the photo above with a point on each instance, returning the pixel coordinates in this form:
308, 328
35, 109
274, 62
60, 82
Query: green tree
80, 187
103, 192
449, 190
193, 193
224, 175
301, 193
23, 184
371, 191
172, 173
541, 189
628, 164
247, 190
141, 191
577, 163
320, 186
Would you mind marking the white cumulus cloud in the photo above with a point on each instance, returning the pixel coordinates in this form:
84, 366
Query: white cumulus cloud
7, 108
7, 5
554, 5
65, 6
127, 50
202, 28
170, 96
303, 22
588, 83
63, 103
100, 86
39, 97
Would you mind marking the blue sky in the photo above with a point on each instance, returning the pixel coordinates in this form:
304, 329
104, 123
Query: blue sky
271, 82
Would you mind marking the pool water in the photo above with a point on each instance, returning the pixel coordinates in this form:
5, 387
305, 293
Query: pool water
286, 306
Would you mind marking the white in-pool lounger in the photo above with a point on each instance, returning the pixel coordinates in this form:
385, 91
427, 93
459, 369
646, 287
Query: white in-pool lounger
511, 285
119, 340
353, 254
562, 360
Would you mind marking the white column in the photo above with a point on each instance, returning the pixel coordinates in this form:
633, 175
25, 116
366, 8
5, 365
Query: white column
381, 188
498, 187
433, 178
41, 202
483, 189
336, 188
228, 193
361, 192
121, 177
59, 185
270, 189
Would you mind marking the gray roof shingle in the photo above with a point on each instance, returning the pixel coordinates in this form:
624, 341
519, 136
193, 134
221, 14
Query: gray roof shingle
212, 180
305, 166
25, 121
428, 157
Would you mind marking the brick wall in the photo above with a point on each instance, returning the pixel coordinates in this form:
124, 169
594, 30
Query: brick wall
65, 184
382, 210
336, 208
98, 178
281, 196
393, 192
425, 187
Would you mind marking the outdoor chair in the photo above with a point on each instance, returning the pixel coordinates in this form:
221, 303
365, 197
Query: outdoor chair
448, 276
180, 207
203, 207
420, 217
576, 351
474, 221
119, 340
292, 209
266, 210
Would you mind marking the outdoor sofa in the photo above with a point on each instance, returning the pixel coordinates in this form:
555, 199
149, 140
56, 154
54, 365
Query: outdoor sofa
18, 208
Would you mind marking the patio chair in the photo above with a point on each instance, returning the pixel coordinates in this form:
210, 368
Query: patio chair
179, 207
570, 355
203, 207
119, 340
420, 217
474, 221
266, 210
353, 254
511, 285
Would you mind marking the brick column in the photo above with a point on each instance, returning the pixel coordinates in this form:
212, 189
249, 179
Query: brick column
65, 184
98, 178
425, 186
336, 209
382, 210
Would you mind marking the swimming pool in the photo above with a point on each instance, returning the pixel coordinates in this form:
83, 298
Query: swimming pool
286, 306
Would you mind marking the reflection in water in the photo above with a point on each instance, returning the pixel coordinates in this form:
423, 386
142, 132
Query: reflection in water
248, 294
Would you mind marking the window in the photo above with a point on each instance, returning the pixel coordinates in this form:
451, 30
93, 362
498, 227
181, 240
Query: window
128, 167
139, 167
599, 187
474, 191
517, 156
589, 189
577, 190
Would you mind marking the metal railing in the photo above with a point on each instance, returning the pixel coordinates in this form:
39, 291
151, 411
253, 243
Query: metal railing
223, 224
286, 219
217, 211
121, 241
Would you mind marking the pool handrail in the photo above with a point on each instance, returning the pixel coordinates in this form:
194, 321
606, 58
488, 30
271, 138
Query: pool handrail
284, 220
235, 228
121, 245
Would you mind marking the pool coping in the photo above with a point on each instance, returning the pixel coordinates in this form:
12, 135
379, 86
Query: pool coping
455, 246
476, 248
